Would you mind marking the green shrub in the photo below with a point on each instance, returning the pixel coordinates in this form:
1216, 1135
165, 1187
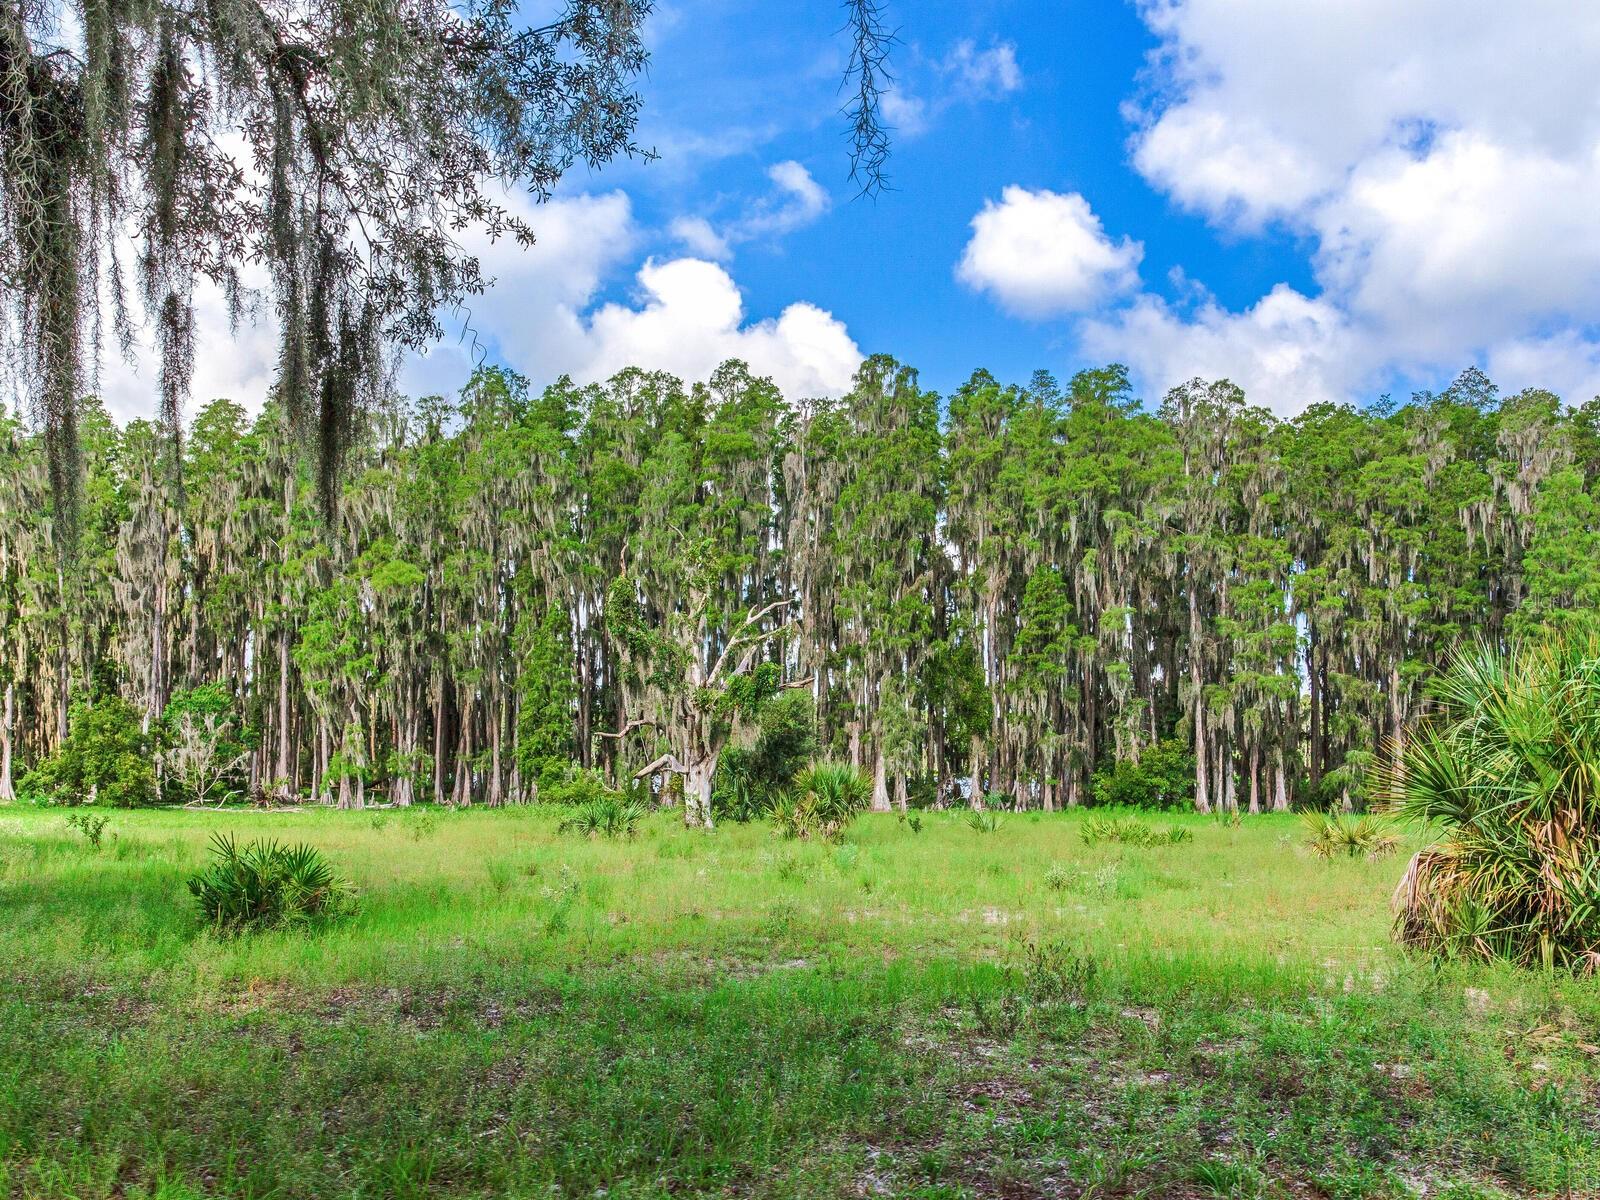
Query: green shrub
1162, 779
1507, 770
612, 815
576, 785
1130, 831
205, 753
825, 799
267, 885
983, 820
91, 825
1330, 835
107, 758
750, 781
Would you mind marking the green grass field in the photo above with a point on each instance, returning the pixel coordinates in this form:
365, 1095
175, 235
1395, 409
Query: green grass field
938, 1014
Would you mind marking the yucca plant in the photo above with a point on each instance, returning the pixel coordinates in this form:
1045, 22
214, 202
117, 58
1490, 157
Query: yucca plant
825, 799
267, 885
1353, 835
610, 816
1509, 772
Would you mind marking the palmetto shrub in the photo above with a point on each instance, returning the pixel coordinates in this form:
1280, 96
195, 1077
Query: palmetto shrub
1129, 831
983, 820
267, 885
1508, 772
825, 799
613, 815
1352, 835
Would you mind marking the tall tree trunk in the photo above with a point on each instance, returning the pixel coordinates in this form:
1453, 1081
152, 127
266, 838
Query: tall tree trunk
880, 781
8, 791
496, 795
1255, 779
1202, 786
975, 764
1397, 730
697, 792
285, 719
438, 738
1314, 723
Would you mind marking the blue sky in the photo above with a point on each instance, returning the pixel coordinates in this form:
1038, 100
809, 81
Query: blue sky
766, 87
1322, 200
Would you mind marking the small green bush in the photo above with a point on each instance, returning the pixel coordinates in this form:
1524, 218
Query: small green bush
91, 825
267, 885
612, 815
1162, 780
825, 799
1129, 831
107, 758
577, 786
749, 781
1330, 835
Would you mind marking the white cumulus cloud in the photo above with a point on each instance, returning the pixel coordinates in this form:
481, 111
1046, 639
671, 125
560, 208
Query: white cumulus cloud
543, 317
1286, 351
1438, 159
690, 318
1043, 253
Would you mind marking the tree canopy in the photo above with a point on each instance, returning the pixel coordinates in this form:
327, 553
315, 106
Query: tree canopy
1029, 594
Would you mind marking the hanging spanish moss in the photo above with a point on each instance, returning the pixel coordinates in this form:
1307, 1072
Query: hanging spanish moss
340, 147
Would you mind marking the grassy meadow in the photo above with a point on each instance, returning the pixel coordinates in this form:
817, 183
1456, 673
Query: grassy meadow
935, 1014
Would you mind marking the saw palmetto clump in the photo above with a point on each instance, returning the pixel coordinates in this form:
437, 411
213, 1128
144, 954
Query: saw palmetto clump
1508, 773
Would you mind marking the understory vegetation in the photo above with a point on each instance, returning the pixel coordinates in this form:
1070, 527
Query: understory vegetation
516, 1011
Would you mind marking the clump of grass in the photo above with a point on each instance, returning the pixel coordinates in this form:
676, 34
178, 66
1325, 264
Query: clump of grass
1508, 770
502, 874
1058, 878
983, 820
781, 918
825, 799
563, 897
998, 1016
1129, 831
609, 816
424, 824
1221, 1178
91, 825
1054, 973
1330, 835
268, 885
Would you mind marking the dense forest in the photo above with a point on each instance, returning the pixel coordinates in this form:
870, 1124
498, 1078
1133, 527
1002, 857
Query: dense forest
1008, 595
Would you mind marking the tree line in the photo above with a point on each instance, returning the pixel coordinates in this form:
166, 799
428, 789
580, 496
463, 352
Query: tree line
1016, 594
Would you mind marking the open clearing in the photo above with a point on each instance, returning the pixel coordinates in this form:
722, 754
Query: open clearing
942, 1013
